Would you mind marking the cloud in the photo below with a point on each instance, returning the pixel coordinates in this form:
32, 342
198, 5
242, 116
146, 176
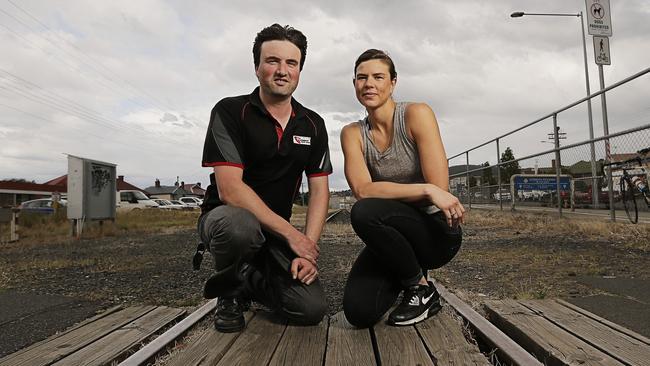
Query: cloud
133, 83
168, 117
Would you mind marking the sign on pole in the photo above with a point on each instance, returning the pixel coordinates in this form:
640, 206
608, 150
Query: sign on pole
599, 19
601, 51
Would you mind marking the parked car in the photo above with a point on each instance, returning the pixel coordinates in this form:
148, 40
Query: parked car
504, 194
41, 206
128, 200
181, 205
583, 193
191, 201
532, 195
167, 204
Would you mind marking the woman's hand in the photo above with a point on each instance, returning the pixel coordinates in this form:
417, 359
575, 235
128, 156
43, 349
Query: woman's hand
448, 204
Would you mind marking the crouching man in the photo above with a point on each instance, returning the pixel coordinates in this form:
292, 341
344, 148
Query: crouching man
259, 145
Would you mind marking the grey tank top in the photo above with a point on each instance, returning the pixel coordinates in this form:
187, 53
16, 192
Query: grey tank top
400, 162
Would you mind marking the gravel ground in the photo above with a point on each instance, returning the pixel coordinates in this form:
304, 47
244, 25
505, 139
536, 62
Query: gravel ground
498, 259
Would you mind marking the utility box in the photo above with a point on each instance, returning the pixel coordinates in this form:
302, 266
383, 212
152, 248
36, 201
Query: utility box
91, 189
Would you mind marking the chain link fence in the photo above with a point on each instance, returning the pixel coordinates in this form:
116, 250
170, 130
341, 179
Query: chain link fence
570, 172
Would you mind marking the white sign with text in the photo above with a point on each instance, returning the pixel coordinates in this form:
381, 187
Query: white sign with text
599, 18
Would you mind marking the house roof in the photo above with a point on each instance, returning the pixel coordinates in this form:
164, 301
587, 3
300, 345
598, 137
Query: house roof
17, 187
623, 157
166, 190
59, 184
194, 189
580, 167
62, 180
122, 186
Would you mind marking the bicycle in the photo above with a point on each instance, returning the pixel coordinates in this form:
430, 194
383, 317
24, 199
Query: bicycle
633, 182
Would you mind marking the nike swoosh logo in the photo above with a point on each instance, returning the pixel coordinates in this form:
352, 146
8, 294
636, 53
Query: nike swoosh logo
425, 300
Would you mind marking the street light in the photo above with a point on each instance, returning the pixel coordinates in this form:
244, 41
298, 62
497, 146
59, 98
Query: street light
519, 14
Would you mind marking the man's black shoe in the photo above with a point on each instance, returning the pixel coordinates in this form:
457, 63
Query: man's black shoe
418, 303
230, 315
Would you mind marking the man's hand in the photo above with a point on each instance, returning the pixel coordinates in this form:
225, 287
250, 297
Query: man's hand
303, 270
304, 247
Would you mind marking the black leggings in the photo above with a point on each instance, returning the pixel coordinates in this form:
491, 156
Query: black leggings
401, 242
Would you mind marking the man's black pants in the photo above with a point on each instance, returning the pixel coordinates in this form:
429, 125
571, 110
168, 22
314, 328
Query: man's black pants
254, 264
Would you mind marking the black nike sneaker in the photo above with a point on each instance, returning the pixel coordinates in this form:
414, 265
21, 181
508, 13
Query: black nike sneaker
418, 303
229, 317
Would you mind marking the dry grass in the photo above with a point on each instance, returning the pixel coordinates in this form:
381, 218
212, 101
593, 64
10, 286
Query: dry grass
629, 235
534, 256
40, 229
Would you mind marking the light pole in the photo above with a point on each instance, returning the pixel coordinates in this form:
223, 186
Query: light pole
519, 14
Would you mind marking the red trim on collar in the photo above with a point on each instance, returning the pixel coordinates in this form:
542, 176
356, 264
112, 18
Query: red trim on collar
279, 132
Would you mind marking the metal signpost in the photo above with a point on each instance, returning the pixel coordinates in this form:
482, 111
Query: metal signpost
599, 25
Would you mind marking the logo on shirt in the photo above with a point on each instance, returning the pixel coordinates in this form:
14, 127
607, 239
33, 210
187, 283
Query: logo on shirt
301, 140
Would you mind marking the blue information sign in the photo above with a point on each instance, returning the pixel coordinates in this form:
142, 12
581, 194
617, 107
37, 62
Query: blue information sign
526, 183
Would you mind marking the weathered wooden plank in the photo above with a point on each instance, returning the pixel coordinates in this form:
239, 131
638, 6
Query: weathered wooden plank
172, 334
400, 345
618, 345
552, 345
347, 345
60, 346
115, 344
208, 348
256, 344
50, 339
606, 322
301, 345
444, 338
508, 349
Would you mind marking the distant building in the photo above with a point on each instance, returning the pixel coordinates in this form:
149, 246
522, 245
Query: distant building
168, 192
13, 193
342, 200
194, 188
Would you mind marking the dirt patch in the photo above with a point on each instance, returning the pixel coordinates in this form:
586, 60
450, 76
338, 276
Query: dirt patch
503, 255
526, 256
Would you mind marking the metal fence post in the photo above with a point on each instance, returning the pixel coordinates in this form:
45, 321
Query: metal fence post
469, 195
608, 154
13, 226
558, 164
499, 175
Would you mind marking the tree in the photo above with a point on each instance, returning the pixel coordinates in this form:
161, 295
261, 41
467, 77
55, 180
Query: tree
508, 169
488, 179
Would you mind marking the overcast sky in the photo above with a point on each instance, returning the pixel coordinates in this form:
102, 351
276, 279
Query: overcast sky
133, 82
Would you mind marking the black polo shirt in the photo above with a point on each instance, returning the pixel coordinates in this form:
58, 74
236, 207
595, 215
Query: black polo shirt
242, 133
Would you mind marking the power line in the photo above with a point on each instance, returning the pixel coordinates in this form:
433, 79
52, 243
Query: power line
108, 125
94, 61
72, 108
50, 121
63, 104
73, 67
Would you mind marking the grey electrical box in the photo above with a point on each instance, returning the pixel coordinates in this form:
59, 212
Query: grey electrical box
91, 189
